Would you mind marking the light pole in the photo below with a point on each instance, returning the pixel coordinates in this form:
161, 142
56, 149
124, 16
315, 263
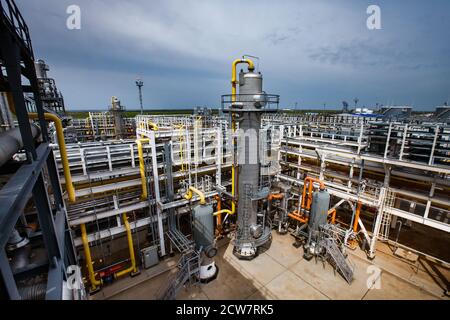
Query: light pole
139, 84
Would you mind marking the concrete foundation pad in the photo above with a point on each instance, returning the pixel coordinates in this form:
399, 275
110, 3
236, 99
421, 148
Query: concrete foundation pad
261, 270
282, 273
393, 288
288, 286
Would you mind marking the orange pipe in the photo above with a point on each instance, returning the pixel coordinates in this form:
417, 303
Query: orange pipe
333, 215
277, 196
294, 215
309, 182
358, 211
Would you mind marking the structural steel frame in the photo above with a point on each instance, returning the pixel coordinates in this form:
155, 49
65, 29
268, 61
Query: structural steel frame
30, 181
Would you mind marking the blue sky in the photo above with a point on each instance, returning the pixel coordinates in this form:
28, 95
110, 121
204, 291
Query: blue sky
311, 52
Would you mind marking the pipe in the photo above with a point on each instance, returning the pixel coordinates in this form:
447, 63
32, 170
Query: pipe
227, 211
11, 142
234, 82
132, 268
294, 215
87, 253
139, 142
276, 196
219, 214
309, 181
152, 126
62, 149
188, 195
358, 211
333, 215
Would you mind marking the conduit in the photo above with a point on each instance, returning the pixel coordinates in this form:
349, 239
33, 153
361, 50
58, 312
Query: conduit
296, 216
309, 181
139, 142
306, 200
87, 253
276, 196
11, 142
61, 142
153, 126
358, 211
62, 150
234, 83
218, 213
333, 215
188, 195
132, 269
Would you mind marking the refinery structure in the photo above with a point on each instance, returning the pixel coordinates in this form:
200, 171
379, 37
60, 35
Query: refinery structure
249, 202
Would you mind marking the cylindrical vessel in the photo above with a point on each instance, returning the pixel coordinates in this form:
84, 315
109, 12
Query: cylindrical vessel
203, 229
250, 232
319, 209
203, 233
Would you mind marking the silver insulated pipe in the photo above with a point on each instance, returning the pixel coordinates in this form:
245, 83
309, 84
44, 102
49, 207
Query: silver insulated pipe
11, 142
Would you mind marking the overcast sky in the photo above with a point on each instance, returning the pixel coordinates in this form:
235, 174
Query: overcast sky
311, 52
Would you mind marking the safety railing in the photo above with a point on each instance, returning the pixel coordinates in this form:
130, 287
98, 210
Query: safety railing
12, 15
261, 101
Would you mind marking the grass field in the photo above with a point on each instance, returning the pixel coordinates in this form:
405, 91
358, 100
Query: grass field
132, 113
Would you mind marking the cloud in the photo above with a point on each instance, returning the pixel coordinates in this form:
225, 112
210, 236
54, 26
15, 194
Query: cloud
183, 50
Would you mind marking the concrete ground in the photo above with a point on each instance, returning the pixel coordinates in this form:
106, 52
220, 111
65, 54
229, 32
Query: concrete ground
282, 273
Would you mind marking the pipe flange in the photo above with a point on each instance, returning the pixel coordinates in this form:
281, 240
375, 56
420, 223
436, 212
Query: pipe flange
14, 246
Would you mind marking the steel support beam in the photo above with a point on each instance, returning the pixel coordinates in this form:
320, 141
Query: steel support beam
15, 194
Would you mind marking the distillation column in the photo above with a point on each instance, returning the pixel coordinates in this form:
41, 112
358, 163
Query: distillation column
247, 108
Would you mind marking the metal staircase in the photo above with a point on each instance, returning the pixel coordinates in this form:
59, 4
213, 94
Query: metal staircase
188, 272
337, 259
179, 240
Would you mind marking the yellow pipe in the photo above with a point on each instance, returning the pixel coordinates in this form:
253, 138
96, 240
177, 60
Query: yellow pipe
234, 82
139, 142
188, 195
132, 268
61, 142
218, 213
152, 126
227, 211
62, 149
87, 253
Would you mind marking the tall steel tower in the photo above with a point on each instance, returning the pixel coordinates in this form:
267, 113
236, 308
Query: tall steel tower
140, 84
253, 185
